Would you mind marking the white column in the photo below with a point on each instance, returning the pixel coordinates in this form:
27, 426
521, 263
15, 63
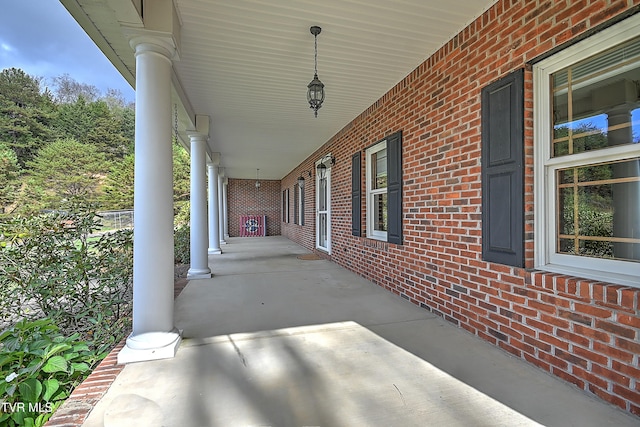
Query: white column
214, 230
199, 268
154, 335
221, 204
225, 212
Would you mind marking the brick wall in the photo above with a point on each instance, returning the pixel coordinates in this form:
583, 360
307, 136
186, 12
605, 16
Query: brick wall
583, 331
244, 199
303, 234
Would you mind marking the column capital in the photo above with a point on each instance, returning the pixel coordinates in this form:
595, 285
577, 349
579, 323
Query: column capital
221, 172
194, 135
225, 181
160, 42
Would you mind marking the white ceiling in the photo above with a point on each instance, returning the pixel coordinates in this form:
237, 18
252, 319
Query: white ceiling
247, 63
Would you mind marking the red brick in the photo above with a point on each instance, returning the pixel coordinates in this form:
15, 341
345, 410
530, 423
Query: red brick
568, 377
628, 320
437, 106
615, 329
589, 377
571, 358
553, 360
541, 306
626, 369
555, 321
613, 352
540, 325
625, 392
592, 333
575, 317
602, 394
553, 340
593, 311
631, 346
628, 297
573, 338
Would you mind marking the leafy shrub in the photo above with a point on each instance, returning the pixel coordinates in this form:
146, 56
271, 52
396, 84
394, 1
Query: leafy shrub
182, 244
39, 367
52, 265
182, 213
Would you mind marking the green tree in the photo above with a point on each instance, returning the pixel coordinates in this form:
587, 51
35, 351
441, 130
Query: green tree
118, 188
68, 170
96, 124
31, 198
9, 177
25, 113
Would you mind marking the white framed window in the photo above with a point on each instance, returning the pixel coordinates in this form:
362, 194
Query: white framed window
587, 157
300, 204
377, 201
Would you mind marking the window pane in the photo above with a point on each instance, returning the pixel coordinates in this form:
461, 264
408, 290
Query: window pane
596, 101
379, 169
322, 234
322, 194
380, 212
599, 210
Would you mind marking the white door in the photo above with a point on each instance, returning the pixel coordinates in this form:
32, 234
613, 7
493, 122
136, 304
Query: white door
323, 211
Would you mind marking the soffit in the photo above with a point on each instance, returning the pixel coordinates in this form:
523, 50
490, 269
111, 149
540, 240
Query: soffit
247, 63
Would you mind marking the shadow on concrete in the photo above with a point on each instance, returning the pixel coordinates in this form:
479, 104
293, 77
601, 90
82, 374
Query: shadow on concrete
275, 340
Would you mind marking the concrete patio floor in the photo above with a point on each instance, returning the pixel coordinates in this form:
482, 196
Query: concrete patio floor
273, 340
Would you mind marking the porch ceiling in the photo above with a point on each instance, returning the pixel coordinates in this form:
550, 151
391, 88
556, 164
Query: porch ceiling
246, 64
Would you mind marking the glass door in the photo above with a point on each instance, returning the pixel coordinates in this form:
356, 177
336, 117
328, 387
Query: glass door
323, 210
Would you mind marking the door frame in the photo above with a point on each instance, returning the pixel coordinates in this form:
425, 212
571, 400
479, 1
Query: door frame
326, 212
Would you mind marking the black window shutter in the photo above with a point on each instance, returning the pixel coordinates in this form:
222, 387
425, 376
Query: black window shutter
356, 195
295, 204
394, 188
302, 206
503, 170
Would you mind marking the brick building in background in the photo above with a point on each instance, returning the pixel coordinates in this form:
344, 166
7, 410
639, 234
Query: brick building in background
246, 199
475, 186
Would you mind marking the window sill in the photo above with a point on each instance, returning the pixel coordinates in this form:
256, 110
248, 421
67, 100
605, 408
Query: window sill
379, 238
595, 275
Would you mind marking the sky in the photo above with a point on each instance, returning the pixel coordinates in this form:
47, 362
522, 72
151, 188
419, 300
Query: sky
42, 38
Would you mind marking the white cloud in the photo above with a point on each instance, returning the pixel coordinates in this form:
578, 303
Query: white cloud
41, 38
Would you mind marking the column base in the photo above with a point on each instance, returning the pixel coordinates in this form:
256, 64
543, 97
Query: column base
214, 251
222, 242
226, 236
150, 346
199, 273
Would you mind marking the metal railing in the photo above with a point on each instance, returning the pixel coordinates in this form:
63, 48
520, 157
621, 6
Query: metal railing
116, 220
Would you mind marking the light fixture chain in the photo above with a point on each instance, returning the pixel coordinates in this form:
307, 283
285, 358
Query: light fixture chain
315, 59
175, 122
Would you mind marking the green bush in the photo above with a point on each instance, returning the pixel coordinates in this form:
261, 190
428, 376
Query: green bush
39, 367
182, 213
182, 244
52, 265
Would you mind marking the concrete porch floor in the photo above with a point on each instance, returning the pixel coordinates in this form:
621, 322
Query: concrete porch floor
273, 340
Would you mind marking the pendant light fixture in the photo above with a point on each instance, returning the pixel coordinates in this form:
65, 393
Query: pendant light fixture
315, 89
257, 178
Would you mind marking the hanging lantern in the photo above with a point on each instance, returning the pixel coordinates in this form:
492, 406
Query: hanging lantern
315, 89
